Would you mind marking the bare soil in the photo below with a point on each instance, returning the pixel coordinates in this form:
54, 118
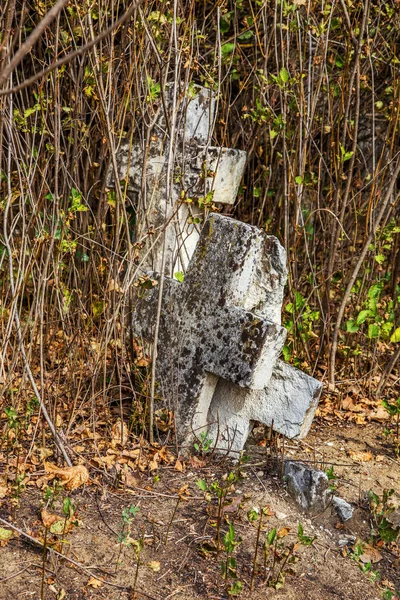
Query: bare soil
177, 568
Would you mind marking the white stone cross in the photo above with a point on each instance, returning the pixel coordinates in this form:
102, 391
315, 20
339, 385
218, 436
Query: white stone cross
205, 330
201, 172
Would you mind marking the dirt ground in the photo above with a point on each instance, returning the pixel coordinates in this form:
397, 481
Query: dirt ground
177, 560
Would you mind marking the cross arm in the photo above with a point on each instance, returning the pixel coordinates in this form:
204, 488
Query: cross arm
241, 347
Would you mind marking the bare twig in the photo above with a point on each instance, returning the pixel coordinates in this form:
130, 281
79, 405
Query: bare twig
32, 39
79, 52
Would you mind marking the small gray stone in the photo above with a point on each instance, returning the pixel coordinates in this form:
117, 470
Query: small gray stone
348, 540
394, 519
308, 487
343, 509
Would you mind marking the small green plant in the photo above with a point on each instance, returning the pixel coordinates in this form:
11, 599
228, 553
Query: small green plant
388, 594
154, 90
381, 508
332, 478
229, 566
359, 554
204, 445
377, 312
12, 417
300, 322
124, 535
305, 540
218, 491
128, 515
253, 515
181, 496
69, 511
279, 553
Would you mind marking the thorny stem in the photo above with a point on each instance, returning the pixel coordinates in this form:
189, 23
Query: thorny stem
256, 550
220, 502
136, 574
42, 596
171, 520
289, 553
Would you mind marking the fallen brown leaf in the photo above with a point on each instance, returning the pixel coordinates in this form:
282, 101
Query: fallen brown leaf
361, 456
94, 583
119, 434
283, 532
380, 414
233, 506
48, 518
72, 477
370, 554
3, 489
55, 524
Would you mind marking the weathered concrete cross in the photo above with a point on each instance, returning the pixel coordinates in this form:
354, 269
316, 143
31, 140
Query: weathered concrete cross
206, 331
199, 171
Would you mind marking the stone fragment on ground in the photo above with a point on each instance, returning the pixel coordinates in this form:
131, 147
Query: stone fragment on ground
308, 487
344, 510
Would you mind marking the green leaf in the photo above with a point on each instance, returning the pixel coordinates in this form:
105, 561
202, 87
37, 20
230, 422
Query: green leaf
236, 588
284, 75
227, 48
68, 507
351, 327
57, 528
375, 290
253, 514
362, 316
31, 111
395, 337
373, 331
298, 179
386, 328
180, 276
247, 35
380, 258
201, 484
271, 536
300, 300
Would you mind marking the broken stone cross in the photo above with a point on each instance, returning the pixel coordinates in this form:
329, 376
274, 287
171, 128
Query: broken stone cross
202, 175
224, 321
205, 330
